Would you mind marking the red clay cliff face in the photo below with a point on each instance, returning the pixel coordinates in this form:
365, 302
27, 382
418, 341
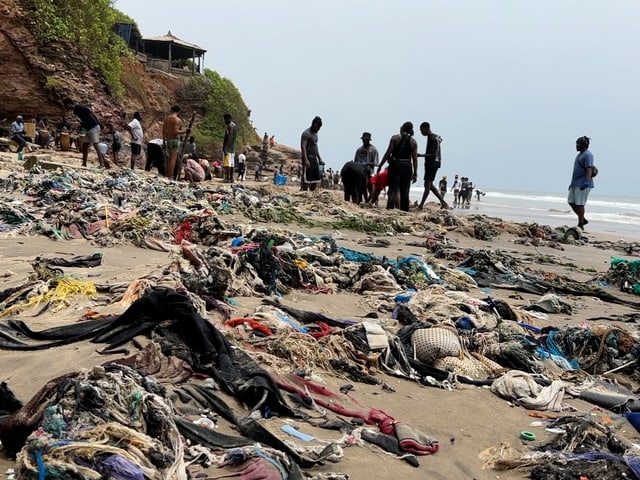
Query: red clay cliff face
36, 78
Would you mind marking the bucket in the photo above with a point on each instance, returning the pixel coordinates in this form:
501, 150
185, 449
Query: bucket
43, 138
80, 142
281, 179
65, 141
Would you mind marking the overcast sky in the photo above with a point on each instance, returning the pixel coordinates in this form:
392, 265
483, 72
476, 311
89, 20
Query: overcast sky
508, 84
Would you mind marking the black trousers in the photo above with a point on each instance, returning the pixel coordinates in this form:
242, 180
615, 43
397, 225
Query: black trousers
400, 172
20, 141
156, 158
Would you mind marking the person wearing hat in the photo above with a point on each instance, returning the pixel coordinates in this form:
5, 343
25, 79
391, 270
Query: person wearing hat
367, 156
18, 133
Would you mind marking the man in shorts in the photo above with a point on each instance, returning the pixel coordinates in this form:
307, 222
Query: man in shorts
171, 131
229, 147
432, 160
91, 125
581, 180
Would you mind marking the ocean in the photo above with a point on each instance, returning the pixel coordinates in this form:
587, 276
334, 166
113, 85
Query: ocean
613, 215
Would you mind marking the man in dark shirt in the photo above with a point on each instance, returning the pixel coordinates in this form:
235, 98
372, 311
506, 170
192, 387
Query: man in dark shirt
431, 164
91, 125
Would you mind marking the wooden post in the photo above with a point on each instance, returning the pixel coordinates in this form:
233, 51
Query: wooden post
170, 57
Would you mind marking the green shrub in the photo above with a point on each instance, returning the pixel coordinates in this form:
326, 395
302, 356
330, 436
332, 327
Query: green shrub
87, 23
216, 96
51, 83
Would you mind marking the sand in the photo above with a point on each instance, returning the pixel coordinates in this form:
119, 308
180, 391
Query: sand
466, 420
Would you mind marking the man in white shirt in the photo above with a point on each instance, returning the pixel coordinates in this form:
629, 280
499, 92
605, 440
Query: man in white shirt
135, 130
242, 166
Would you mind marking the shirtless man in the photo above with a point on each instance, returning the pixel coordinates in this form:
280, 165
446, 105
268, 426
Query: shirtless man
311, 159
171, 131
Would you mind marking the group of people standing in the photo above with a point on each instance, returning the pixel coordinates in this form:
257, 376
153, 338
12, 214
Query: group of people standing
401, 158
463, 190
173, 154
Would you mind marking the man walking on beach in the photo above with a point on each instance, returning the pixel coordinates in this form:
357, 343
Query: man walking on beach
367, 156
581, 180
90, 123
432, 161
311, 160
402, 155
171, 131
229, 147
134, 127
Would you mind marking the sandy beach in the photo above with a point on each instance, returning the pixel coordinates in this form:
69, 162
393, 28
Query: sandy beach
466, 420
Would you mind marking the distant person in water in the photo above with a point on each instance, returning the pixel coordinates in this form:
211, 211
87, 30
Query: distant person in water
455, 188
432, 161
311, 160
442, 186
464, 189
581, 180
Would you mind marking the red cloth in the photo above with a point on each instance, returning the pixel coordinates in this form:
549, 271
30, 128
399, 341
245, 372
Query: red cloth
412, 441
252, 322
381, 180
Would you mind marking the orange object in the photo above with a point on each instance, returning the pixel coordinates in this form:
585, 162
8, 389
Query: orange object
542, 415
